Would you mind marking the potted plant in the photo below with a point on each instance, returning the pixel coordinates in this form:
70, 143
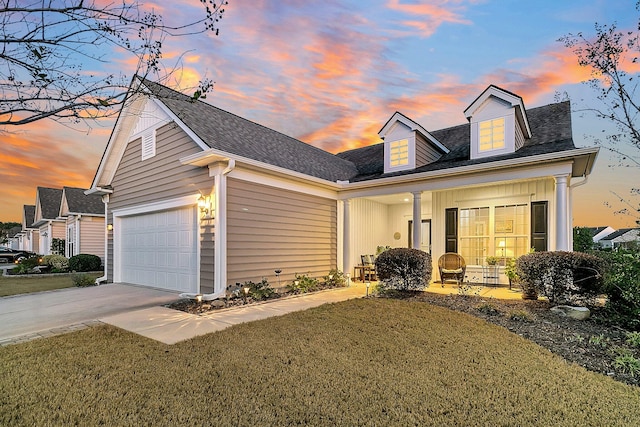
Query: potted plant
510, 271
492, 260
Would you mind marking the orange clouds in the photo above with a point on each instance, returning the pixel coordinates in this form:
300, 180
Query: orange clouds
429, 16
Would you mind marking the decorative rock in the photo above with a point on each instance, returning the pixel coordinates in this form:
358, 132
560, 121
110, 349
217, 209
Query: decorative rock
578, 313
217, 303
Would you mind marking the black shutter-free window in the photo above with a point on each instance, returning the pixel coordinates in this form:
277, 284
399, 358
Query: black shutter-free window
451, 230
539, 226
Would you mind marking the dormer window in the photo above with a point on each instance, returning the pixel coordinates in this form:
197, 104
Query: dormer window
399, 153
491, 134
499, 123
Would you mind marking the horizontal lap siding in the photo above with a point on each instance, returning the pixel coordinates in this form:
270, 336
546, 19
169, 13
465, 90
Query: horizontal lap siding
270, 228
207, 252
92, 236
159, 178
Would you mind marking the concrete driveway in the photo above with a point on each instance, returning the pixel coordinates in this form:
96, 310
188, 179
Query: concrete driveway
30, 314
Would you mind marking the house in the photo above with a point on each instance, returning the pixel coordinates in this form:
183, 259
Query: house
46, 219
198, 198
623, 238
84, 215
30, 236
599, 233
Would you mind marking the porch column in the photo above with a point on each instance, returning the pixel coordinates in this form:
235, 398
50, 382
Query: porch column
416, 237
346, 233
562, 212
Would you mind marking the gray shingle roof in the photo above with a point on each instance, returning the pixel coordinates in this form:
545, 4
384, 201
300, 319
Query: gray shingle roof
617, 233
550, 127
232, 134
29, 212
50, 199
80, 203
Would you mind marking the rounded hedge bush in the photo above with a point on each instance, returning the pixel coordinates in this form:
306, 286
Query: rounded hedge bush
84, 262
403, 269
58, 262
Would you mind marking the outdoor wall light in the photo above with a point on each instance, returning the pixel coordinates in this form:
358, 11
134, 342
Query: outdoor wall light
110, 227
206, 210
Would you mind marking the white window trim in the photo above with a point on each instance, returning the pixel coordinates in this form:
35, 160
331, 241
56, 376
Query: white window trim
411, 164
509, 138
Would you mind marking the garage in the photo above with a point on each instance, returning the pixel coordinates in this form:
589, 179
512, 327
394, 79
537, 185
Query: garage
159, 249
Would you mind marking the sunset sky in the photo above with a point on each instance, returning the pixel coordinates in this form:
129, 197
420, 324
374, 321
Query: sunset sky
331, 73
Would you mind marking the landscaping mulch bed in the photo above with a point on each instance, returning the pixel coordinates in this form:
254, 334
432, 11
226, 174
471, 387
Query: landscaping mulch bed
588, 343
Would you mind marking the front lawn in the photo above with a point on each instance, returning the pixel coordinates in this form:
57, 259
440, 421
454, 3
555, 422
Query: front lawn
14, 285
360, 362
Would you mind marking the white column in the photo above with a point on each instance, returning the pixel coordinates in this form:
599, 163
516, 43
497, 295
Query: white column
416, 237
562, 212
220, 230
346, 251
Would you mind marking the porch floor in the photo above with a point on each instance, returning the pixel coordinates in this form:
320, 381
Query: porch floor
498, 292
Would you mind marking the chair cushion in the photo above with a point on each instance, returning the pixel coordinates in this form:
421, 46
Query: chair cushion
456, 271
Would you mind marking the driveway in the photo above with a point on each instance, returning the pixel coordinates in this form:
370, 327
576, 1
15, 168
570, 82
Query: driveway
33, 313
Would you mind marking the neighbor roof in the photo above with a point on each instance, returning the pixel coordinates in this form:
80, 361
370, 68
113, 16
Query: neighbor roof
550, 128
29, 212
50, 199
80, 203
618, 233
232, 134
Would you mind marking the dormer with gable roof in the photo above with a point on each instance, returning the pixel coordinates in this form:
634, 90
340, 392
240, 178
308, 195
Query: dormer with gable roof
407, 145
499, 123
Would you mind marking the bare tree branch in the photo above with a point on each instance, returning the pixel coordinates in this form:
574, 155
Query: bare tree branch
53, 55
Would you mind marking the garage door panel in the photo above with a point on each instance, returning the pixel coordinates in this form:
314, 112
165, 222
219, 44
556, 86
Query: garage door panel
159, 249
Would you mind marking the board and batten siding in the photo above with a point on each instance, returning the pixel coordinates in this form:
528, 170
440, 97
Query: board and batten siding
369, 228
91, 236
271, 228
161, 177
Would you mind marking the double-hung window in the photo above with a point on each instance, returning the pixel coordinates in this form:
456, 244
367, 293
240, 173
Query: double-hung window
474, 234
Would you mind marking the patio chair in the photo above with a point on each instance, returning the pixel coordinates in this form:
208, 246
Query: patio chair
451, 266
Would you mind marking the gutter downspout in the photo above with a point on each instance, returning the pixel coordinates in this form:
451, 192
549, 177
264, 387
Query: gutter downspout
221, 227
103, 278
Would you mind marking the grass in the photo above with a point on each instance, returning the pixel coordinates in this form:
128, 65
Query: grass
24, 285
360, 362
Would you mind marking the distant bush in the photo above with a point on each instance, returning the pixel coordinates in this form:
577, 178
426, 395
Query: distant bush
26, 266
403, 269
82, 280
57, 262
563, 277
84, 262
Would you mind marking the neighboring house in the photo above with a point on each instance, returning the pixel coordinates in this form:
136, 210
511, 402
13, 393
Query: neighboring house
623, 238
84, 214
198, 198
14, 236
30, 236
599, 233
46, 219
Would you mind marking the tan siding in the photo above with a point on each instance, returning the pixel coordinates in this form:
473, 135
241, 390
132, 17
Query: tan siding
92, 236
58, 230
207, 251
271, 228
425, 152
161, 177
519, 136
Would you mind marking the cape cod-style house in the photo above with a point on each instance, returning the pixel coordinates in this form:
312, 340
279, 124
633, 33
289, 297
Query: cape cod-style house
198, 198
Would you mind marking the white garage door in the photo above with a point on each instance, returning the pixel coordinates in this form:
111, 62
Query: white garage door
159, 249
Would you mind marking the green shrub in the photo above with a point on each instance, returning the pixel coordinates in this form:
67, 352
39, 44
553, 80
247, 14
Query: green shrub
403, 269
303, 284
82, 280
633, 339
57, 246
261, 290
26, 265
563, 277
56, 262
626, 362
335, 279
84, 262
622, 286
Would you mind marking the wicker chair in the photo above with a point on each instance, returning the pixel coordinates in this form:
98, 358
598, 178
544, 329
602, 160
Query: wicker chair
451, 266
